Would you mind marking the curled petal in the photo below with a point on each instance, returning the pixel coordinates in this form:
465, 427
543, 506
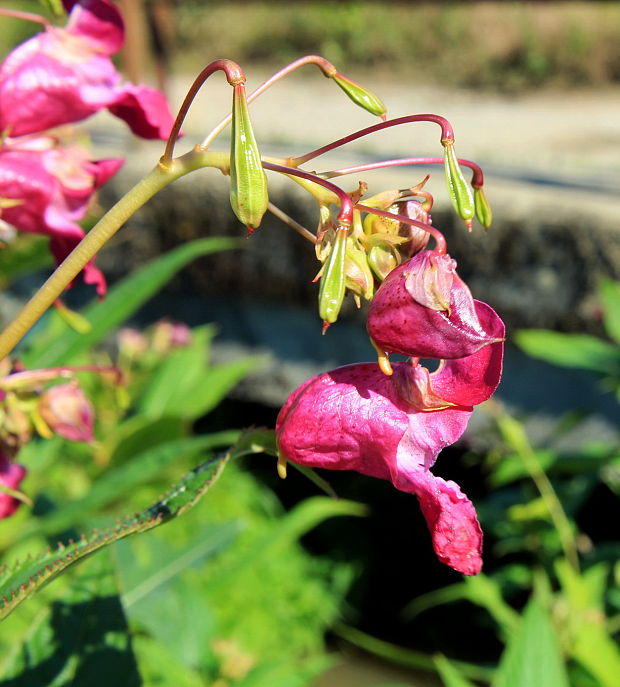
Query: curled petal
450, 517
399, 323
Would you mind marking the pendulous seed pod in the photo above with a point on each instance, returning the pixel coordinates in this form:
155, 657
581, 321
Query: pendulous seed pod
459, 189
361, 96
248, 182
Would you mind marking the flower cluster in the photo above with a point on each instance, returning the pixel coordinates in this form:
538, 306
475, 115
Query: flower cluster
390, 421
60, 76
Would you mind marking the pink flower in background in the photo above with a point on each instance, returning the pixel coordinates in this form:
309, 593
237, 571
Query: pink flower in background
46, 189
393, 427
68, 412
424, 309
11, 475
65, 75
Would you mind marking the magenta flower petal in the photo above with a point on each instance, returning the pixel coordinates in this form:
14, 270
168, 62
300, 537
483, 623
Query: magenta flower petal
354, 418
11, 475
52, 188
401, 319
144, 109
64, 75
451, 520
99, 22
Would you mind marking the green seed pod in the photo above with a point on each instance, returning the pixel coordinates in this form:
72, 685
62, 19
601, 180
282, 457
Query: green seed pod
484, 214
361, 96
248, 182
459, 189
331, 292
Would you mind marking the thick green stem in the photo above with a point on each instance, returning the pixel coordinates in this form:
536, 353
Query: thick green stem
99, 235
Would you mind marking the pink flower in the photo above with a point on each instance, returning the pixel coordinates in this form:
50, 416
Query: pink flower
64, 75
68, 412
48, 189
11, 474
424, 309
357, 418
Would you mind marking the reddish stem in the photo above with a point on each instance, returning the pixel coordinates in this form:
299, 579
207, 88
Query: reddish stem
447, 134
477, 179
345, 216
324, 65
440, 240
26, 16
234, 75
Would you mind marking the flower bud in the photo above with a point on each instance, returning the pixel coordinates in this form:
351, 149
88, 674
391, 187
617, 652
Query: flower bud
167, 335
460, 192
332, 289
382, 259
68, 412
361, 96
418, 238
248, 182
484, 214
358, 277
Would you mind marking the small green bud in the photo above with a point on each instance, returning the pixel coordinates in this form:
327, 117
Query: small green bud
459, 189
248, 182
382, 259
358, 276
331, 291
361, 96
484, 214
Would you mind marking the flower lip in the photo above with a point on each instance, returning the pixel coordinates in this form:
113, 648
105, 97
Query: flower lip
392, 428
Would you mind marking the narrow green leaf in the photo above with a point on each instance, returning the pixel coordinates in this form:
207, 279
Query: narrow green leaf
570, 350
82, 639
533, 655
121, 302
609, 291
448, 672
24, 578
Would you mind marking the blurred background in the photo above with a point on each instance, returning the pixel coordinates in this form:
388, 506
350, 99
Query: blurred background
532, 90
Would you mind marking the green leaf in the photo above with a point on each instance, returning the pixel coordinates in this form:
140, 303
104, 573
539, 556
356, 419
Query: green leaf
143, 467
533, 655
82, 639
184, 385
450, 675
24, 578
570, 350
592, 645
27, 254
121, 302
609, 292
